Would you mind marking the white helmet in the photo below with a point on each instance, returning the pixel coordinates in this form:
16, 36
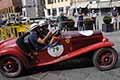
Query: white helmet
33, 26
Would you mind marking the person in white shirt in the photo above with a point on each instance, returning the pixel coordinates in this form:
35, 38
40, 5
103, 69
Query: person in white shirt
93, 16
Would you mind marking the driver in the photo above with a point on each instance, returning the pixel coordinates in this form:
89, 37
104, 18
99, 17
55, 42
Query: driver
38, 37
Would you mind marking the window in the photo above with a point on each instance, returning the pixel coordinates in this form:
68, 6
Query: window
54, 1
61, 9
9, 10
50, 1
24, 14
54, 11
48, 11
12, 10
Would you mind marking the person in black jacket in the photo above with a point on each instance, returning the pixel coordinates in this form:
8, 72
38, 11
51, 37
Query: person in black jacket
80, 22
62, 21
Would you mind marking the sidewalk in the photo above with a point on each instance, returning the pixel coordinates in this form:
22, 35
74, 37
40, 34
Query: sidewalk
99, 22
115, 38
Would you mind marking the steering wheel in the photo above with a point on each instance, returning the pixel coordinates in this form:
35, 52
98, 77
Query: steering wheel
52, 36
56, 33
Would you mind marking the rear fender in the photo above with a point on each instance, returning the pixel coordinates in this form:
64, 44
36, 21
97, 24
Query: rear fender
17, 54
2, 41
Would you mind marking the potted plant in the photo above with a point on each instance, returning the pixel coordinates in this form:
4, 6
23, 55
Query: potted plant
107, 26
88, 23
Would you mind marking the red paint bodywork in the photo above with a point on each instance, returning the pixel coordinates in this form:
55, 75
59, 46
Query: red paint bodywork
77, 45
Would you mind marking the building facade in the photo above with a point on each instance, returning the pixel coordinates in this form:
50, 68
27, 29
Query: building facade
101, 6
8, 7
54, 7
79, 3
41, 7
105, 6
29, 8
33, 8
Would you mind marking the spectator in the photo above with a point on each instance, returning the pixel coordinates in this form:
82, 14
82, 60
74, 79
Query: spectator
86, 10
114, 17
75, 20
114, 12
94, 15
1, 22
62, 21
80, 22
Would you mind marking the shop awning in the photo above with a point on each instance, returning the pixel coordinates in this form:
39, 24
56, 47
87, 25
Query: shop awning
104, 5
117, 4
78, 5
94, 5
84, 4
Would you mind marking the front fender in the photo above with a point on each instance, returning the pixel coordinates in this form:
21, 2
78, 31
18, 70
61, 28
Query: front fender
15, 52
91, 48
99, 45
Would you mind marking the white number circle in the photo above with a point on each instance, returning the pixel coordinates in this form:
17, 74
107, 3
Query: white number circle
56, 51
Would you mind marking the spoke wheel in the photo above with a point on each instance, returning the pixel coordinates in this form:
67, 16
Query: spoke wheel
10, 66
105, 58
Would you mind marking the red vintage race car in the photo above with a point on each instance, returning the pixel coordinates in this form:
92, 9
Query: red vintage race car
70, 44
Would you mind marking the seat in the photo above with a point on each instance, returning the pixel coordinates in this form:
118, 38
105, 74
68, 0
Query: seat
24, 46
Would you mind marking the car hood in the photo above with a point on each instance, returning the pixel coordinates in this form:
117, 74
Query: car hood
7, 43
88, 33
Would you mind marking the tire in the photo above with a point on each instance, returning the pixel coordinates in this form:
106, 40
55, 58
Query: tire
105, 59
11, 66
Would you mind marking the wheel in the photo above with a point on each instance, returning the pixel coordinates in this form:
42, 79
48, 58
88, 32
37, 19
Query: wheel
105, 59
10, 66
